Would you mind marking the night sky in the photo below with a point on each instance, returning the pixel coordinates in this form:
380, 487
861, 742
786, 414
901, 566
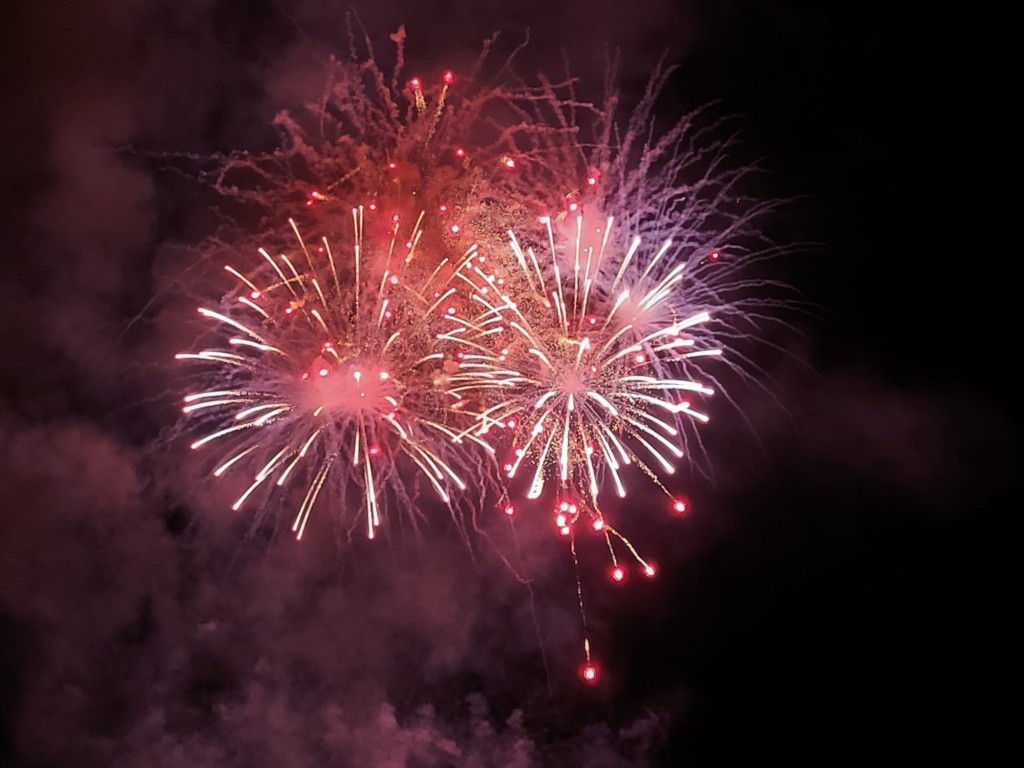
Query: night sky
838, 594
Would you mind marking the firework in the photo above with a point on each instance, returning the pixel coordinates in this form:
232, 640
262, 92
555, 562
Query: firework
581, 376
560, 321
330, 372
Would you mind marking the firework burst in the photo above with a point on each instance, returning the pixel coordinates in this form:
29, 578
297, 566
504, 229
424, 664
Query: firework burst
582, 379
560, 323
330, 372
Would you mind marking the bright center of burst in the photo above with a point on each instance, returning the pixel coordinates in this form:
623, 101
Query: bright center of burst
572, 381
352, 388
573, 372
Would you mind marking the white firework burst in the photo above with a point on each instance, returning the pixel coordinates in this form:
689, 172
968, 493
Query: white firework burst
329, 372
585, 377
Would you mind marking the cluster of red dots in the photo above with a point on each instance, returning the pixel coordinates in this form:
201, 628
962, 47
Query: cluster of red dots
567, 512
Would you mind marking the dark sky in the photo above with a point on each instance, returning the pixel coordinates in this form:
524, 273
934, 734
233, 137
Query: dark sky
835, 598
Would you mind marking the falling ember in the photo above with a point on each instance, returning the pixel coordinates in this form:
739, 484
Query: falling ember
589, 673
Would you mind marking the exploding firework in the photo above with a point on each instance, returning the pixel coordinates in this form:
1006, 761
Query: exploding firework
560, 323
329, 373
583, 375
582, 379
